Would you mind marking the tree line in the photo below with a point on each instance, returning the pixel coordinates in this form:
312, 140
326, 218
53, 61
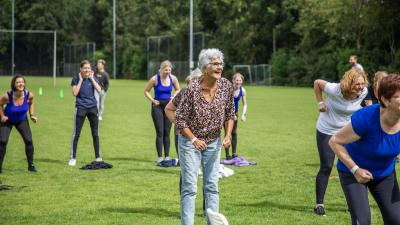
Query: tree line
301, 39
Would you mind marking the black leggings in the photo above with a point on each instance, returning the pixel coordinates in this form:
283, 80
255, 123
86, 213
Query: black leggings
163, 128
233, 140
326, 158
25, 131
80, 116
385, 192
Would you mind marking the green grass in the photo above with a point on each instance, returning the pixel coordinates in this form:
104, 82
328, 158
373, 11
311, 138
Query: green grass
279, 134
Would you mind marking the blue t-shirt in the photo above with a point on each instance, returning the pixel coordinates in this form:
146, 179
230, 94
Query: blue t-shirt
16, 113
376, 150
237, 99
162, 92
85, 98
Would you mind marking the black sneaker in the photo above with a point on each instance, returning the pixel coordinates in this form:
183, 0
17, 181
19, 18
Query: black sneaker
228, 157
320, 210
234, 155
32, 168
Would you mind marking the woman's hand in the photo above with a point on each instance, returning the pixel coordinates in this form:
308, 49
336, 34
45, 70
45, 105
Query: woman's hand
363, 176
244, 118
200, 145
226, 142
156, 102
4, 119
34, 118
322, 107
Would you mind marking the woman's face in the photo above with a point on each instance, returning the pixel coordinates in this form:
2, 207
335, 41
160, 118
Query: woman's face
20, 84
214, 69
358, 85
85, 70
394, 102
238, 81
166, 71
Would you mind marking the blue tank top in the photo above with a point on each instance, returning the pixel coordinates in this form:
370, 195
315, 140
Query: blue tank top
163, 92
16, 114
237, 99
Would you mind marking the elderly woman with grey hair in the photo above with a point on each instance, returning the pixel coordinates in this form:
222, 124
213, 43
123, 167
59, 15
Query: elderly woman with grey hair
205, 107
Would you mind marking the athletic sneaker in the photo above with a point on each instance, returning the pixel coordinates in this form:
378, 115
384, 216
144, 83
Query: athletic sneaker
100, 118
99, 159
320, 210
159, 159
72, 162
32, 168
166, 158
216, 218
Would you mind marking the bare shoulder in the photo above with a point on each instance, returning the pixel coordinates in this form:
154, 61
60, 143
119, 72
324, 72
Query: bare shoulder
30, 96
4, 98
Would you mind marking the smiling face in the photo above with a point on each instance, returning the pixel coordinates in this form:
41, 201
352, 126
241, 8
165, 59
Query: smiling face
352, 60
237, 81
166, 71
19, 84
358, 86
85, 69
214, 69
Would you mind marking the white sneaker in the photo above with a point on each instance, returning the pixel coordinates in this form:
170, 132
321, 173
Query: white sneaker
216, 218
98, 159
167, 158
100, 118
72, 162
159, 159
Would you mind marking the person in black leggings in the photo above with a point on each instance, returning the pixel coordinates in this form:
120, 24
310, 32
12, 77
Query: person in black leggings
342, 99
163, 83
18, 102
367, 149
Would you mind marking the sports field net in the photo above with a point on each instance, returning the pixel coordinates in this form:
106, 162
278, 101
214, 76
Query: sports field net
73, 54
174, 48
33, 53
255, 74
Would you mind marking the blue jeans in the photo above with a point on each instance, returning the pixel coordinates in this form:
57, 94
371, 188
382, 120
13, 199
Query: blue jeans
190, 159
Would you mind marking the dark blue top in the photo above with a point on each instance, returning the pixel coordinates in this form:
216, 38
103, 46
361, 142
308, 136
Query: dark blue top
237, 99
85, 98
376, 150
16, 114
163, 92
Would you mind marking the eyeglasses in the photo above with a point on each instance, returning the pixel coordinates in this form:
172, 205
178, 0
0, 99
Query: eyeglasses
217, 64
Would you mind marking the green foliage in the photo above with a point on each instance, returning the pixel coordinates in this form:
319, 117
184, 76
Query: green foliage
313, 38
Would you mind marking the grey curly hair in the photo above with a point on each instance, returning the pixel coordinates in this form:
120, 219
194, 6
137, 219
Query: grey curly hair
206, 55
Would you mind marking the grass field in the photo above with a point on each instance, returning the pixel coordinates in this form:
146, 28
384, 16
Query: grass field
279, 134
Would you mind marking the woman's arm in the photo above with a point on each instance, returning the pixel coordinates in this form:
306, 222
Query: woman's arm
31, 108
344, 136
176, 84
3, 100
319, 86
76, 88
147, 89
244, 101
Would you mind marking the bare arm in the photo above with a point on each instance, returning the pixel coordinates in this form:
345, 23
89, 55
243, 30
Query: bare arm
319, 86
176, 84
368, 102
170, 111
3, 100
244, 101
344, 136
31, 108
147, 89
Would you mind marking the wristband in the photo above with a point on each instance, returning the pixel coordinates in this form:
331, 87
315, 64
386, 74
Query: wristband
321, 102
193, 140
354, 169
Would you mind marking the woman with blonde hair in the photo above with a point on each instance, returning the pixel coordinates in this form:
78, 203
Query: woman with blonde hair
342, 99
163, 82
238, 93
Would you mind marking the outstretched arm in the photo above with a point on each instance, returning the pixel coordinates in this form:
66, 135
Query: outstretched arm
319, 86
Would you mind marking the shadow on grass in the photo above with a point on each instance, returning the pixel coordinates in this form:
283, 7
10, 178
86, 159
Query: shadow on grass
129, 159
300, 208
163, 170
312, 164
56, 161
148, 211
